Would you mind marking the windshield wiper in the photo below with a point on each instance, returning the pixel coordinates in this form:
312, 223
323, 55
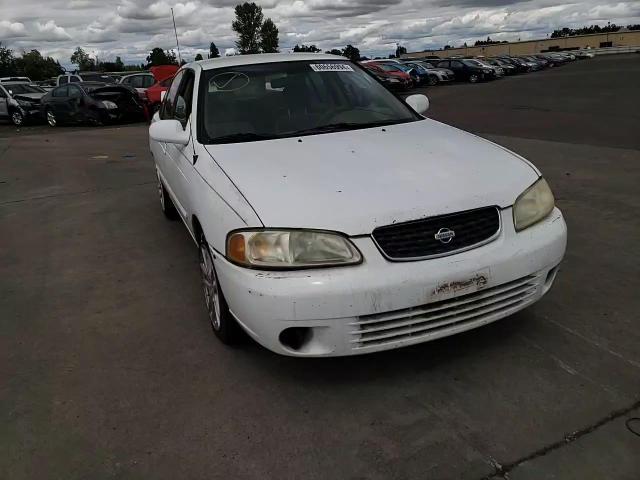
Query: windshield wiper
340, 127
242, 137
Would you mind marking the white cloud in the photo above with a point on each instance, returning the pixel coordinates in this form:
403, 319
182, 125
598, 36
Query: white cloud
130, 28
12, 29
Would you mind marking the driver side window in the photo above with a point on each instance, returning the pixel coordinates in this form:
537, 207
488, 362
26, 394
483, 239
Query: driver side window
166, 112
184, 98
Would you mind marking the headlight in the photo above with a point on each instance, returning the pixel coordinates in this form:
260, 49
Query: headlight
108, 104
533, 205
290, 249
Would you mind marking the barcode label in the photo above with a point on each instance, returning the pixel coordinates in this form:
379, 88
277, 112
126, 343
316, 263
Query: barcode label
330, 67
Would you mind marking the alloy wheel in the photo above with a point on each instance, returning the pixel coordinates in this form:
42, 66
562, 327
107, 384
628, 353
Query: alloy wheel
210, 286
473, 78
51, 118
161, 193
17, 118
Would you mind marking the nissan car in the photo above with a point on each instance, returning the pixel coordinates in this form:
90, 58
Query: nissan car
332, 218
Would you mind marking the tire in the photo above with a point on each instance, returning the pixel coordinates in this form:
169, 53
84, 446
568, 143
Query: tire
17, 118
222, 322
51, 118
473, 78
432, 80
166, 204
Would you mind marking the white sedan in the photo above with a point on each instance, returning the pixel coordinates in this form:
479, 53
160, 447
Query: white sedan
334, 219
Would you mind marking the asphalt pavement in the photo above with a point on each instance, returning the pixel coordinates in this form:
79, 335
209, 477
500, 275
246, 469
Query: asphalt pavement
109, 369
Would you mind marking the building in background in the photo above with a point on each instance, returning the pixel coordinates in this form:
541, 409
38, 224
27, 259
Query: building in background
622, 38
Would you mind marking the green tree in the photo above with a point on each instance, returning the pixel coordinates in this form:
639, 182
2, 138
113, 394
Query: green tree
269, 37
7, 61
33, 65
400, 50
351, 52
306, 49
81, 58
158, 56
119, 64
334, 51
198, 58
213, 51
247, 25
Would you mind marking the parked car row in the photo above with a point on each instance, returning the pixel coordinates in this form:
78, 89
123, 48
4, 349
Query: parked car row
92, 97
404, 74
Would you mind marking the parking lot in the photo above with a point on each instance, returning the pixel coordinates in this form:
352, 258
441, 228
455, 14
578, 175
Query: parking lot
109, 369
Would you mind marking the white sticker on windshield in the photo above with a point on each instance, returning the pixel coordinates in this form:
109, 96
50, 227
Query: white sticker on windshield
330, 67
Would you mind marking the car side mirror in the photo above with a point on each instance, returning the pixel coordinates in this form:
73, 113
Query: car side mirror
420, 103
169, 131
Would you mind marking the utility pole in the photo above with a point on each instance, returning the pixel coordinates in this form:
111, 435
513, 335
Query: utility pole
176, 32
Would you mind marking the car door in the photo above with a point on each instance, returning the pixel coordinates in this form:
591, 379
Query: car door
4, 103
58, 102
167, 167
181, 156
73, 104
458, 68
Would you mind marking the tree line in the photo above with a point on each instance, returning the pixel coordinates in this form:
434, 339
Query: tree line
609, 28
30, 64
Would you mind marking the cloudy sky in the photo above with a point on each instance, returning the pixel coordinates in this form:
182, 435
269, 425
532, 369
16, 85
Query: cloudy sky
130, 28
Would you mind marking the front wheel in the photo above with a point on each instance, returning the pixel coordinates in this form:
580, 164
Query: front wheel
166, 204
17, 118
51, 118
222, 323
432, 80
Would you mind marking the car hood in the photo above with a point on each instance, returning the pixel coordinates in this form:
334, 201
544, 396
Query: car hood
30, 97
357, 180
162, 72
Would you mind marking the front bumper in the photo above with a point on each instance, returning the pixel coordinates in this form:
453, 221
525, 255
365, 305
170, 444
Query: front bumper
382, 305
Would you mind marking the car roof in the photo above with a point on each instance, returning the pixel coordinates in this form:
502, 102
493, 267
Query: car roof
17, 82
237, 60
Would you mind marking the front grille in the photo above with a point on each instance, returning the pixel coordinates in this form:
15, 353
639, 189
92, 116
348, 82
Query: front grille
455, 314
417, 239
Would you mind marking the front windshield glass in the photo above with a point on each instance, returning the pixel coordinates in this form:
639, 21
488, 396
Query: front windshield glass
389, 68
472, 63
18, 88
276, 100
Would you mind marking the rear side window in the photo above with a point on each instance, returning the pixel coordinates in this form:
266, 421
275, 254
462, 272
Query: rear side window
2, 94
74, 79
74, 92
60, 92
148, 80
136, 82
64, 80
127, 81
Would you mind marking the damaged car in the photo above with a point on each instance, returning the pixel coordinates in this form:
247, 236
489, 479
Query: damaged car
332, 218
92, 102
20, 102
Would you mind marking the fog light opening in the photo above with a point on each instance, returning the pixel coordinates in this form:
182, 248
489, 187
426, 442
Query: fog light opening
551, 276
295, 338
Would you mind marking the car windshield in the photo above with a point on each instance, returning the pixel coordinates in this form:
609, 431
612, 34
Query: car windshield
276, 100
390, 68
428, 65
472, 63
18, 88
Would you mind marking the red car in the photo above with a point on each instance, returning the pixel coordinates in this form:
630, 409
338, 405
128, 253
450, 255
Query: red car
163, 75
383, 69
